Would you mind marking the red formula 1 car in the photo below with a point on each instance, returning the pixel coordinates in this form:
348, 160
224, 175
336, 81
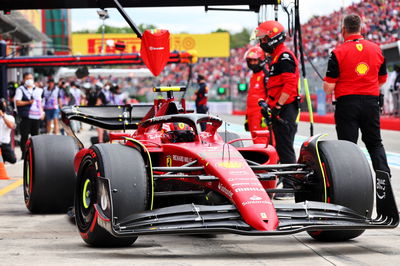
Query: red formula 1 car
169, 177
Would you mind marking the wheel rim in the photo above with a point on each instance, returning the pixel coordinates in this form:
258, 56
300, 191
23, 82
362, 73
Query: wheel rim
86, 196
28, 175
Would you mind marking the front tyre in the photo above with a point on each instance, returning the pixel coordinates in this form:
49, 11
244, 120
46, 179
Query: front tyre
348, 182
125, 168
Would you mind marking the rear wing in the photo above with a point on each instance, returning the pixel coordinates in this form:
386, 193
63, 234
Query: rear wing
111, 117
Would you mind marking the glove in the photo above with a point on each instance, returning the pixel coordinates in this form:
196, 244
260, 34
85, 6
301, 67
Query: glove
264, 122
275, 112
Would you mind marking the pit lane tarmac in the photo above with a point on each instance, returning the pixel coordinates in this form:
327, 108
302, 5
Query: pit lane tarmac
27, 239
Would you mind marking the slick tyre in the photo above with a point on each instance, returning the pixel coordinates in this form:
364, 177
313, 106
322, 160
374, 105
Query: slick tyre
126, 169
49, 177
349, 183
228, 136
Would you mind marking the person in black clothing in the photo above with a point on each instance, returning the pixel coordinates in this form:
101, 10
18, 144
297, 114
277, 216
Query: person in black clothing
356, 70
201, 98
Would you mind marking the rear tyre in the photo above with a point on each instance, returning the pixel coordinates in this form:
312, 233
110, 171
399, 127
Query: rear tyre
228, 136
349, 183
125, 168
49, 176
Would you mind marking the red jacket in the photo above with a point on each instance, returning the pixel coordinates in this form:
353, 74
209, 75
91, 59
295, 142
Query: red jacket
283, 76
257, 90
357, 67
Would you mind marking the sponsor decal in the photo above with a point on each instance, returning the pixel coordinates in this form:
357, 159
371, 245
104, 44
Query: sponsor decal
238, 172
254, 197
380, 188
255, 202
244, 184
230, 164
156, 48
226, 191
359, 47
362, 69
246, 189
152, 136
169, 161
241, 179
263, 215
216, 154
181, 158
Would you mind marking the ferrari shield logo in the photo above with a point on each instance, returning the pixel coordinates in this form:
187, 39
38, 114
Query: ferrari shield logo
359, 47
169, 161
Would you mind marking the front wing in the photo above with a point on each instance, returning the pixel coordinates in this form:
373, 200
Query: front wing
293, 218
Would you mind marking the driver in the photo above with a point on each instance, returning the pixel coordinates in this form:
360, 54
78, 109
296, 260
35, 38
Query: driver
176, 133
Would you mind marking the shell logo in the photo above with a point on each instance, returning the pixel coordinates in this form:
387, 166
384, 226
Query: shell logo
275, 29
229, 164
362, 69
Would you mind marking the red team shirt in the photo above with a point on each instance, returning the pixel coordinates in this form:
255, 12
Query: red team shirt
283, 76
361, 72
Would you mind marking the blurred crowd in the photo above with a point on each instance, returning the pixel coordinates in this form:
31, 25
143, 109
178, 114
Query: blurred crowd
50, 96
381, 25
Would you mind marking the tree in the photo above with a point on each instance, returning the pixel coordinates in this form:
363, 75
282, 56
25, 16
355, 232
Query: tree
112, 29
240, 39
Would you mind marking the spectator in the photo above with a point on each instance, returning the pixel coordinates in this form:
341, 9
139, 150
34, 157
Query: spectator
116, 96
28, 100
7, 123
51, 107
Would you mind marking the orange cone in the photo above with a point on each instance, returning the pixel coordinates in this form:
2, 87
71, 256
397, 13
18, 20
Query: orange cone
3, 172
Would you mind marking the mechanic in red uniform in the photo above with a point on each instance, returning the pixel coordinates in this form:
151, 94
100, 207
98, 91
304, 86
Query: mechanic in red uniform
256, 61
282, 89
356, 70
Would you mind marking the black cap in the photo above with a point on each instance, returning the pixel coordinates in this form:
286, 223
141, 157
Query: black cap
50, 80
